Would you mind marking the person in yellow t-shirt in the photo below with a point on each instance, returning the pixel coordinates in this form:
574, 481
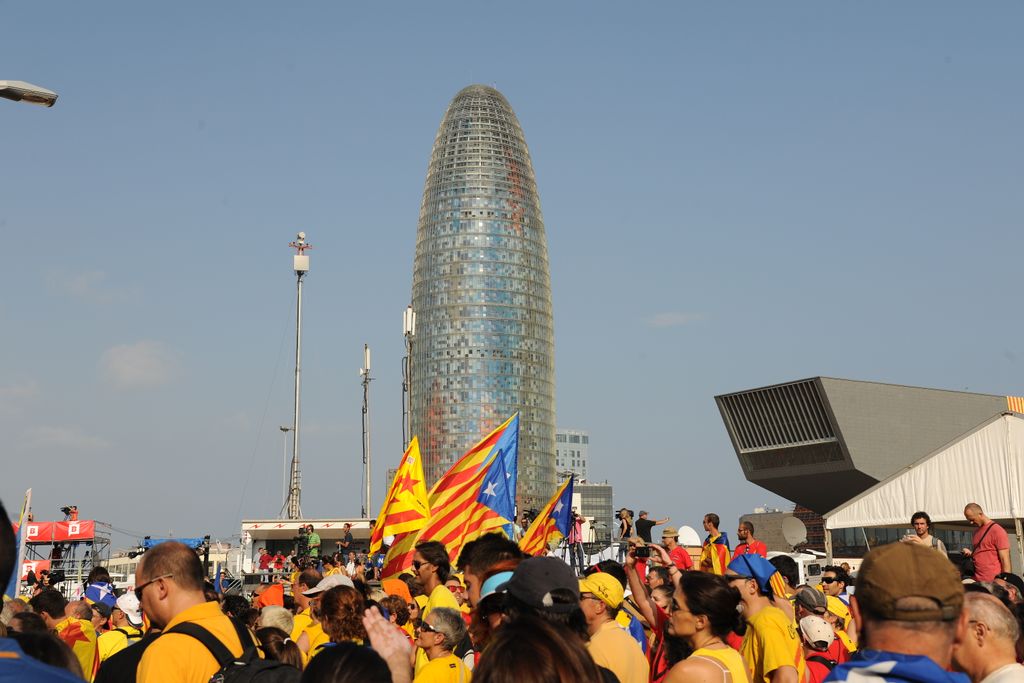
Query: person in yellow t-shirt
437, 636
169, 586
312, 637
432, 566
839, 616
610, 645
771, 647
330, 566
127, 621
303, 582
704, 612
72, 623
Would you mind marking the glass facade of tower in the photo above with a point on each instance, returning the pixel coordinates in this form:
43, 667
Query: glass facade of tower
484, 344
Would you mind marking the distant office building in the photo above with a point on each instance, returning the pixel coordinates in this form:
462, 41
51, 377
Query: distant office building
484, 342
596, 503
571, 452
821, 441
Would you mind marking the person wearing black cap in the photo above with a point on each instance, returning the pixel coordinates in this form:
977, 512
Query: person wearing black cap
546, 587
100, 617
1013, 584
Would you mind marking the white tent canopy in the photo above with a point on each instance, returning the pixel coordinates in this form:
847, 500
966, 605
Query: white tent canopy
983, 466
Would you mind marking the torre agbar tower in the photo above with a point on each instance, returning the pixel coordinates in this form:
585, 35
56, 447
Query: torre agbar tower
481, 289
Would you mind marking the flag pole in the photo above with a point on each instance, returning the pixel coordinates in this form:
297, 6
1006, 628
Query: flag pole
22, 538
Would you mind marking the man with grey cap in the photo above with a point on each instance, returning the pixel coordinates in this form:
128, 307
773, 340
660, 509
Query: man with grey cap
644, 525
810, 602
908, 604
988, 652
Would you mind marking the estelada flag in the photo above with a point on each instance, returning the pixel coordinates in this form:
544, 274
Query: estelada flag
551, 523
405, 508
494, 506
714, 555
454, 497
80, 636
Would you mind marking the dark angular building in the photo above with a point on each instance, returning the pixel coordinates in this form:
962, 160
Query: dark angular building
484, 343
821, 441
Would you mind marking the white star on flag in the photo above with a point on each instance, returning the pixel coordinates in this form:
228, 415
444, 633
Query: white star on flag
558, 508
489, 491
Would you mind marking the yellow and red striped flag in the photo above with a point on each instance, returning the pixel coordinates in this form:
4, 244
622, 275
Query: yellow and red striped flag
405, 508
470, 500
80, 636
551, 523
404, 511
714, 555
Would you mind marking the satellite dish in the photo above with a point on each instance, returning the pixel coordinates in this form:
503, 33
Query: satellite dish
794, 531
688, 537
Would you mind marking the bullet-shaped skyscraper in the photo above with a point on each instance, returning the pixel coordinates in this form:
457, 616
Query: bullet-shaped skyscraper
481, 289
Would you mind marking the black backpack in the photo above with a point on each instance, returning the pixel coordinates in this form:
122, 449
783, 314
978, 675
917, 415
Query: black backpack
247, 667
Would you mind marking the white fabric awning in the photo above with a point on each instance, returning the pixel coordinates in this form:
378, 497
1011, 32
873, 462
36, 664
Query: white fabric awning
983, 466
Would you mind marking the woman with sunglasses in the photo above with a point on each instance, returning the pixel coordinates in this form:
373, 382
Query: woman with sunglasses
438, 635
705, 609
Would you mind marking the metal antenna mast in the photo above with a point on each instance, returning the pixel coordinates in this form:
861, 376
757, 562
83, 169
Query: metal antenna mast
300, 263
409, 332
365, 374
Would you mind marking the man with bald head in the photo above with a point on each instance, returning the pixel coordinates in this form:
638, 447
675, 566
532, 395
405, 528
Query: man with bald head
990, 545
988, 651
169, 586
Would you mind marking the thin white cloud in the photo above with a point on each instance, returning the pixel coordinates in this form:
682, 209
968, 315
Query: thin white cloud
62, 438
89, 286
142, 364
674, 319
15, 397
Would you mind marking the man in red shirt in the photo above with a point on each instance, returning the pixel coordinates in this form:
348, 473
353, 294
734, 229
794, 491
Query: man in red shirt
990, 546
748, 544
681, 558
279, 561
265, 559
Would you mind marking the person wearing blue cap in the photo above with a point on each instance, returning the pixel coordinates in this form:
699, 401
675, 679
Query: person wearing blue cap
771, 646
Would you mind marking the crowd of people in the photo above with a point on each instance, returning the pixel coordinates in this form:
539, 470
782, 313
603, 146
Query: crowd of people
653, 614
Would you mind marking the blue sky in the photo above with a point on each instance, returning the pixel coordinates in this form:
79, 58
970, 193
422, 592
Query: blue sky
734, 196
